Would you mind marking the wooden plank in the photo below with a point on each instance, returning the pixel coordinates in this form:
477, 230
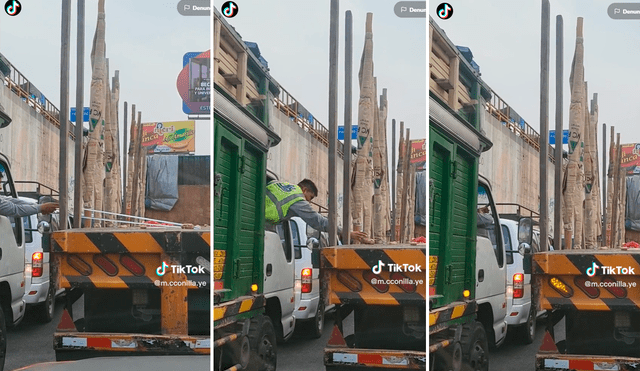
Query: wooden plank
454, 71
441, 93
242, 78
442, 52
439, 66
446, 85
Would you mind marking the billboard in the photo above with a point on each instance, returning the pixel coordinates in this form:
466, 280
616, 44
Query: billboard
169, 137
418, 151
194, 83
631, 158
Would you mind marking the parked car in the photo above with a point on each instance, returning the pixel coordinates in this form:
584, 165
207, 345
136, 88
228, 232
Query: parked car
521, 306
310, 309
40, 292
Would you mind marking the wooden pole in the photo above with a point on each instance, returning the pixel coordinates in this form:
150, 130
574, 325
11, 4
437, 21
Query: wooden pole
348, 84
557, 209
77, 178
64, 112
544, 125
393, 179
125, 163
405, 187
333, 122
616, 191
603, 241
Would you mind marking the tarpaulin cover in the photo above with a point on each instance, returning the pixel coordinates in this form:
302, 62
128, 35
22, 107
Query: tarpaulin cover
421, 198
162, 182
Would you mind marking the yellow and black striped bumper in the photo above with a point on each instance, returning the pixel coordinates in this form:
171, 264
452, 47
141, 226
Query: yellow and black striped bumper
456, 310
238, 306
572, 268
349, 274
78, 251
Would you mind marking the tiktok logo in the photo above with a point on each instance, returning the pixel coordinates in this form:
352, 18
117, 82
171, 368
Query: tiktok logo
592, 271
162, 269
378, 267
12, 7
229, 9
445, 11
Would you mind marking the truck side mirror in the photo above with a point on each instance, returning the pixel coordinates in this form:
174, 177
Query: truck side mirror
525, 231
313, 243
44, 227
524, 248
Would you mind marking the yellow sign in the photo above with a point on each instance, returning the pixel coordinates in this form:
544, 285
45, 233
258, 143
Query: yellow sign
169, 137
433, 269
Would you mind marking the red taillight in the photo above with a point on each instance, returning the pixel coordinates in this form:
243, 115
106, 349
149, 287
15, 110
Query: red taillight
80, 265
591, 291
377, 282
306, 281
614, 287
518, 285
106, 265
132, 265
36, 264
403, 282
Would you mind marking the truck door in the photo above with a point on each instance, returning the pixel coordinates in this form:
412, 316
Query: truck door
11, 230
491, 267
239, 186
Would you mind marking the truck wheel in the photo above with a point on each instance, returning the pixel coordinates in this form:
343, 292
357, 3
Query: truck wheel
528, 330
3, 339
262, 337
475, 349
45, 310
318, 321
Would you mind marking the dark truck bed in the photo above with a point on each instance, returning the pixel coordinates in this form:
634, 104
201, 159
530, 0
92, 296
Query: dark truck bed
597, 294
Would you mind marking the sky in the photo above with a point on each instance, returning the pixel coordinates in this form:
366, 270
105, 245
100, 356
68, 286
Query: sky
294, 39
504, 37
146, 40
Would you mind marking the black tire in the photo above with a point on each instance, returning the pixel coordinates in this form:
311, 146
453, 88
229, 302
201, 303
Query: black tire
262, 338
317, 324
45, 310
3, 339
527, 332
475, 348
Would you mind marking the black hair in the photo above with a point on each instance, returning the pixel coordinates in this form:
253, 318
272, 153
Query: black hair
308, 184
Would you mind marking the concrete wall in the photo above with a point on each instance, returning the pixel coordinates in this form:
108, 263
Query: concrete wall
31, 143
299, 155
513, 168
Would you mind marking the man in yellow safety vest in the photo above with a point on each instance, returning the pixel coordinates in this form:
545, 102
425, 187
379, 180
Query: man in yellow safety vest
285, 200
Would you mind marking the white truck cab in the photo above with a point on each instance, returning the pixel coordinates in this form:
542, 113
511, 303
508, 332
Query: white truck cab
491, 268
279, 276
12, 252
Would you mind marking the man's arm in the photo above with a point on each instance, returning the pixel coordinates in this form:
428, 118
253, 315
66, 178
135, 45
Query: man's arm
304, 211
11, 207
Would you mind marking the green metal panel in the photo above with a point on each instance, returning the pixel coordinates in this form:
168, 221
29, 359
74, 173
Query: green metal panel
453, 196
238, 209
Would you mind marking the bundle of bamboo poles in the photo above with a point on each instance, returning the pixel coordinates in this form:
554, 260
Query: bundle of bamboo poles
370, 199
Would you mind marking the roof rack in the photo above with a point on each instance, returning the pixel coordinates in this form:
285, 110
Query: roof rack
520, 212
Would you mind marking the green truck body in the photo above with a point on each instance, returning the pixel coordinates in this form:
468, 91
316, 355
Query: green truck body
455, 145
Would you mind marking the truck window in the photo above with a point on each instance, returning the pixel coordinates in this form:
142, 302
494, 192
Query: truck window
28, 236
8, 191
285, 239
297, 247
487, 224
507, 244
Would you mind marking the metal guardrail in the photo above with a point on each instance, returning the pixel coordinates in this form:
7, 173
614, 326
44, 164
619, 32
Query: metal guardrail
505, 114
288, 105
22, 87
